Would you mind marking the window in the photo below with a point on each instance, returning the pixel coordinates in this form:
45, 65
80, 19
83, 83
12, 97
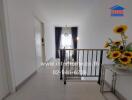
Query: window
66, 40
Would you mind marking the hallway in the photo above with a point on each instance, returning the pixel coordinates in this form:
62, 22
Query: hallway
46, 86
22, 20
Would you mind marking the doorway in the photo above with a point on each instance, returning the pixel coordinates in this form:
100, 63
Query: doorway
40, 42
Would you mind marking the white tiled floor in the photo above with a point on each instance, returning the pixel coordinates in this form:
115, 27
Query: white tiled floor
46, 86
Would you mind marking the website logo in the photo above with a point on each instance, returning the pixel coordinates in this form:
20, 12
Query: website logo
117, 11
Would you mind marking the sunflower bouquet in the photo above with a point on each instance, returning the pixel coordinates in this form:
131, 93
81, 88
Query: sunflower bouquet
119, 51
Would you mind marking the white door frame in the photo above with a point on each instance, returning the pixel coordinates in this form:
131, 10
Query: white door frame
3, 19
43, 42
42, 39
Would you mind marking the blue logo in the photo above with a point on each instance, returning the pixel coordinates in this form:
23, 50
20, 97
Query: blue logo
117, 11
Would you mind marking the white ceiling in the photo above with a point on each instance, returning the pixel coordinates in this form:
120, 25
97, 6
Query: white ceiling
65, 11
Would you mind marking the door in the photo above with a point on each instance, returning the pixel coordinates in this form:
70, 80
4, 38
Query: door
40, 42
43, 42
4, 90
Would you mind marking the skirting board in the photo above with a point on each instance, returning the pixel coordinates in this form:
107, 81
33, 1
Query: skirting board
6, 96
25, 81
117, 93
20, 85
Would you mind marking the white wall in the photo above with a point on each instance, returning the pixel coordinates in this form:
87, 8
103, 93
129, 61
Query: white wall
99, 24
21, 38
49, 41
20, 27
38, 37
39, 13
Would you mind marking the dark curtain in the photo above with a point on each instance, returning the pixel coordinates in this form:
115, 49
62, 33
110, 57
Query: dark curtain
57, 39
74, 36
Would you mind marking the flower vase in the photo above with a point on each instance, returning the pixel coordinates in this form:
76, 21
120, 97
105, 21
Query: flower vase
123, 67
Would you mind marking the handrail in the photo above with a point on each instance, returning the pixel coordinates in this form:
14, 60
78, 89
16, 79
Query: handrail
83, 49
87, 55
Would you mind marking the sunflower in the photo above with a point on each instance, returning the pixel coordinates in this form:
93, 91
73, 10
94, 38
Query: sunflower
120, 29
109, 55
128, 54
106, 45
115, 54
117, 43
125, 60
